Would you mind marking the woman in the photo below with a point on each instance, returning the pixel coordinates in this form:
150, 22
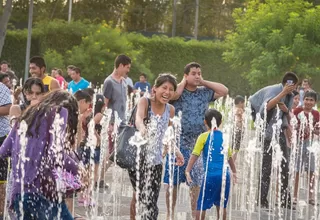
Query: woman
45, 154
150, 170
32, 90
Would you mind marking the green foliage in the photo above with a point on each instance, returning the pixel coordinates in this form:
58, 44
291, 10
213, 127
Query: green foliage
97, 51
53, 59
274, 37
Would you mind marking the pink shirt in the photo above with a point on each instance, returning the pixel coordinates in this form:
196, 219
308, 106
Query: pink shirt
61, 81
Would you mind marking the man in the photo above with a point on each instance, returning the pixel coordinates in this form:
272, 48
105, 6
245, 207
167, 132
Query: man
115, 86
4, 66
305, 86
69, 70
5, 104
37, 68
78, 82
192, 98
267, 99
5, 79
143, 85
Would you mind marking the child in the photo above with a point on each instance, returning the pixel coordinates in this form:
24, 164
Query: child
212, 181
305, 138
238, 128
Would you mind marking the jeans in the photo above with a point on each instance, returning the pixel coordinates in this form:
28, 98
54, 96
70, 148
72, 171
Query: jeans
266, 172
37, 207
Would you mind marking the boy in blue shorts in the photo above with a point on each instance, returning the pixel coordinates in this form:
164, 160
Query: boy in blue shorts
210, 145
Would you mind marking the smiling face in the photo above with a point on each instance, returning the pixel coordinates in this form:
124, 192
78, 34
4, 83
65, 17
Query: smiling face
309, 103
164, 92
36, 71
194, 77
296, 101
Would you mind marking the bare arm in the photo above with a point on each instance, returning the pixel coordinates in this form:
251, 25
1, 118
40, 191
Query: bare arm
180, 89
232, 165
219, 89
141, 114
191, 162
273, 102
106, 101
5, 110
15, 111
54, 84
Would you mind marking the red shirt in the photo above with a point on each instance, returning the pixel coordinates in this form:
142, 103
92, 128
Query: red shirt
316, 117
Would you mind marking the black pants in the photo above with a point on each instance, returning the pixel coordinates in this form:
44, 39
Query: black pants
266, 172
149, 187
3, 164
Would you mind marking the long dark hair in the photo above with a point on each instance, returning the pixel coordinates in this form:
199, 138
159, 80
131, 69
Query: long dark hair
54, 100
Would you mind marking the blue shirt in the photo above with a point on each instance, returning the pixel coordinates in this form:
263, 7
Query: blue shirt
142, 86
193, 105
74, 87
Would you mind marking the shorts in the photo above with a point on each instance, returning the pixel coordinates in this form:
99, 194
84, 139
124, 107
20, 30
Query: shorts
304, 158
210, 193
178, 173
149, 188
3, 165
85, 155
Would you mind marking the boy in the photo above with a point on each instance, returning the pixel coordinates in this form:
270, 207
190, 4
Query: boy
302, 160
238, 128
211, 146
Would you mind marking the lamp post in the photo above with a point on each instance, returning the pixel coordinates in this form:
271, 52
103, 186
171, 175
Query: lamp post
26, 72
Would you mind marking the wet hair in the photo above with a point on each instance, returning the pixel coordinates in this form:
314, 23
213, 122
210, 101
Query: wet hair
39, 61
90, 91
295, 92
82, 94
144, 75
53, 101
77, 70
3, 76
189, 66
290, 76
166, 77
210, 114
122, 59
4, 62
239, 99
33, 81
311, 94
99, 104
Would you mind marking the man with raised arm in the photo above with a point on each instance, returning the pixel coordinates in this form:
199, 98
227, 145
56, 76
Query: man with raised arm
192, 98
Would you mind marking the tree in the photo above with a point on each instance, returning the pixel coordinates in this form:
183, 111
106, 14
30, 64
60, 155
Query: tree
274, 37
4, 22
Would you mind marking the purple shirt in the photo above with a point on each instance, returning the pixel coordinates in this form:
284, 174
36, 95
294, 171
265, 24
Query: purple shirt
36, 179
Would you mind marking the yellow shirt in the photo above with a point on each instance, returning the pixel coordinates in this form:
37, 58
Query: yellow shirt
47, 82
201, 142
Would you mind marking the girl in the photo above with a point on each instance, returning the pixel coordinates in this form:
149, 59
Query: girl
150, 170
41, 156
32, 90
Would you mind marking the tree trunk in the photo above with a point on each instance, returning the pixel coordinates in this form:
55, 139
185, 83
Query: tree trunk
4, 22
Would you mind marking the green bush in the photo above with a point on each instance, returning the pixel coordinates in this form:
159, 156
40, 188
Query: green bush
53, 60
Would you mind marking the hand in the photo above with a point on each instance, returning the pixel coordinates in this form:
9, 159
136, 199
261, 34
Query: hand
288, 88
179, 158
234, 178
184, 81
188, 177
283, 107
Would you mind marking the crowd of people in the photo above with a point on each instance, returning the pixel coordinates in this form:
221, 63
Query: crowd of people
46, 157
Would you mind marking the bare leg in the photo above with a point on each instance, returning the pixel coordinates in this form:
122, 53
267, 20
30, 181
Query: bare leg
224, 214
133, 207
170, 210
296, 186
69, 203
234, 156
218, 212
201, 214
96, 175
194, 194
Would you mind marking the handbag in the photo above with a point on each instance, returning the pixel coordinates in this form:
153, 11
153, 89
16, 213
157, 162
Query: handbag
125, 155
